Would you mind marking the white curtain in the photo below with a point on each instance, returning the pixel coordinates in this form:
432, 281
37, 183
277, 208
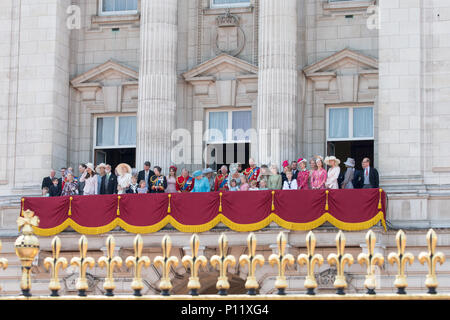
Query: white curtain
105, 131
119, 5
338, 123
363, 122
242, 121
108, 5
218, 125
127, 131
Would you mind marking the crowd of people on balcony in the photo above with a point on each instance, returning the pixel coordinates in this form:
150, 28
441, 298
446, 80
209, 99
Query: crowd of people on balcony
295, 176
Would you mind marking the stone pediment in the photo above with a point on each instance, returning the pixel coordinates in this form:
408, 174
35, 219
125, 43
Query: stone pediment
222, 67
109, 73
109, 87
343, 60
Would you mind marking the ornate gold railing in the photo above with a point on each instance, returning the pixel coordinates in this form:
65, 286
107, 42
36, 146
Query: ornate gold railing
27, 246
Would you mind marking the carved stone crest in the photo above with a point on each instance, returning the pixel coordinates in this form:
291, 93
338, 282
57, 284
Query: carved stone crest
230, 36
325, 279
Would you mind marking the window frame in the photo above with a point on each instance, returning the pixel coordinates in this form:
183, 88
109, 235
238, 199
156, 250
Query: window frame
230, 5
115, 13
116, 131
229, 130
350, 123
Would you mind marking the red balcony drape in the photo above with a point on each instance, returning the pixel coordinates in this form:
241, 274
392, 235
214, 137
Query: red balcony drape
352, 209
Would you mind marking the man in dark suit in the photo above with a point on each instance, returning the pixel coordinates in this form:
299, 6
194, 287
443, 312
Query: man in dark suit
47, 181
146, 174
367, 177
110, 181
55, 189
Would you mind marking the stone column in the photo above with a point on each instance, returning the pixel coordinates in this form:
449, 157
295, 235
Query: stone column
157, 83
277, 83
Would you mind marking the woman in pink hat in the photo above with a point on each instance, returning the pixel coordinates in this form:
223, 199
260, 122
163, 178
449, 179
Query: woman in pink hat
303, 175
319, 176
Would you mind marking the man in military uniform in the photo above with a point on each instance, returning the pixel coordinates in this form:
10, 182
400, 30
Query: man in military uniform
221, 181
185, 183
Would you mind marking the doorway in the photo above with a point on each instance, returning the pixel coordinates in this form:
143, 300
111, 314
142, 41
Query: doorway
114, 157
357, 150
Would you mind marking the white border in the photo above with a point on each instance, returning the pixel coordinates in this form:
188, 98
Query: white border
229, 130
350, 123
116, 131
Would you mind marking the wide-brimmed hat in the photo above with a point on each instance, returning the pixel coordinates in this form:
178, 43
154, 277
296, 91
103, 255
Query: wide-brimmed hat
101, 165
302, 160
207, 170
350, 162
318, 158
123, 165
285, 163
330, 158
197, 173
90, 166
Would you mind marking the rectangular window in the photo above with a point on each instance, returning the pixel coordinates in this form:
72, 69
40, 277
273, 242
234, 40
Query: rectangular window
116, 7
115, 131
229, 3
350, 123
229, 126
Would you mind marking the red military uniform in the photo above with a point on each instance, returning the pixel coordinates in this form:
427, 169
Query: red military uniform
252, 173
221, 182
185, 184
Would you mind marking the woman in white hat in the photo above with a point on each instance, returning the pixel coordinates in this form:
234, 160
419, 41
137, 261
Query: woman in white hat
90, 181
333, 172
349, 174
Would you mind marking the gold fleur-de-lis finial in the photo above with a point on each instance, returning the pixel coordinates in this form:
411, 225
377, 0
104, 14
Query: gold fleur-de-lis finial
137, 262
3, 261
310, 260
82, 262
55, 262
431, 258
340, 259
194, 262
109, 262
223, 261
371, 260
26, 247
252, 259
282, 260
165, 262
401, 258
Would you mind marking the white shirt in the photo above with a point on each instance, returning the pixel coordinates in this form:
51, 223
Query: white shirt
290, 185
332, 177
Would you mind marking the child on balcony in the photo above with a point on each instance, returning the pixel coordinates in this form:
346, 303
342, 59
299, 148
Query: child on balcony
142, 187
253, 186
289, 183
233, 185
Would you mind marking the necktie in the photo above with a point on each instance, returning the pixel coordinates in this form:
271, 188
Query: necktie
367, 172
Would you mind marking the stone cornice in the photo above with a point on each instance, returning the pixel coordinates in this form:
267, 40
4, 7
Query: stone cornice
370, 64
84, 79
221, 59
